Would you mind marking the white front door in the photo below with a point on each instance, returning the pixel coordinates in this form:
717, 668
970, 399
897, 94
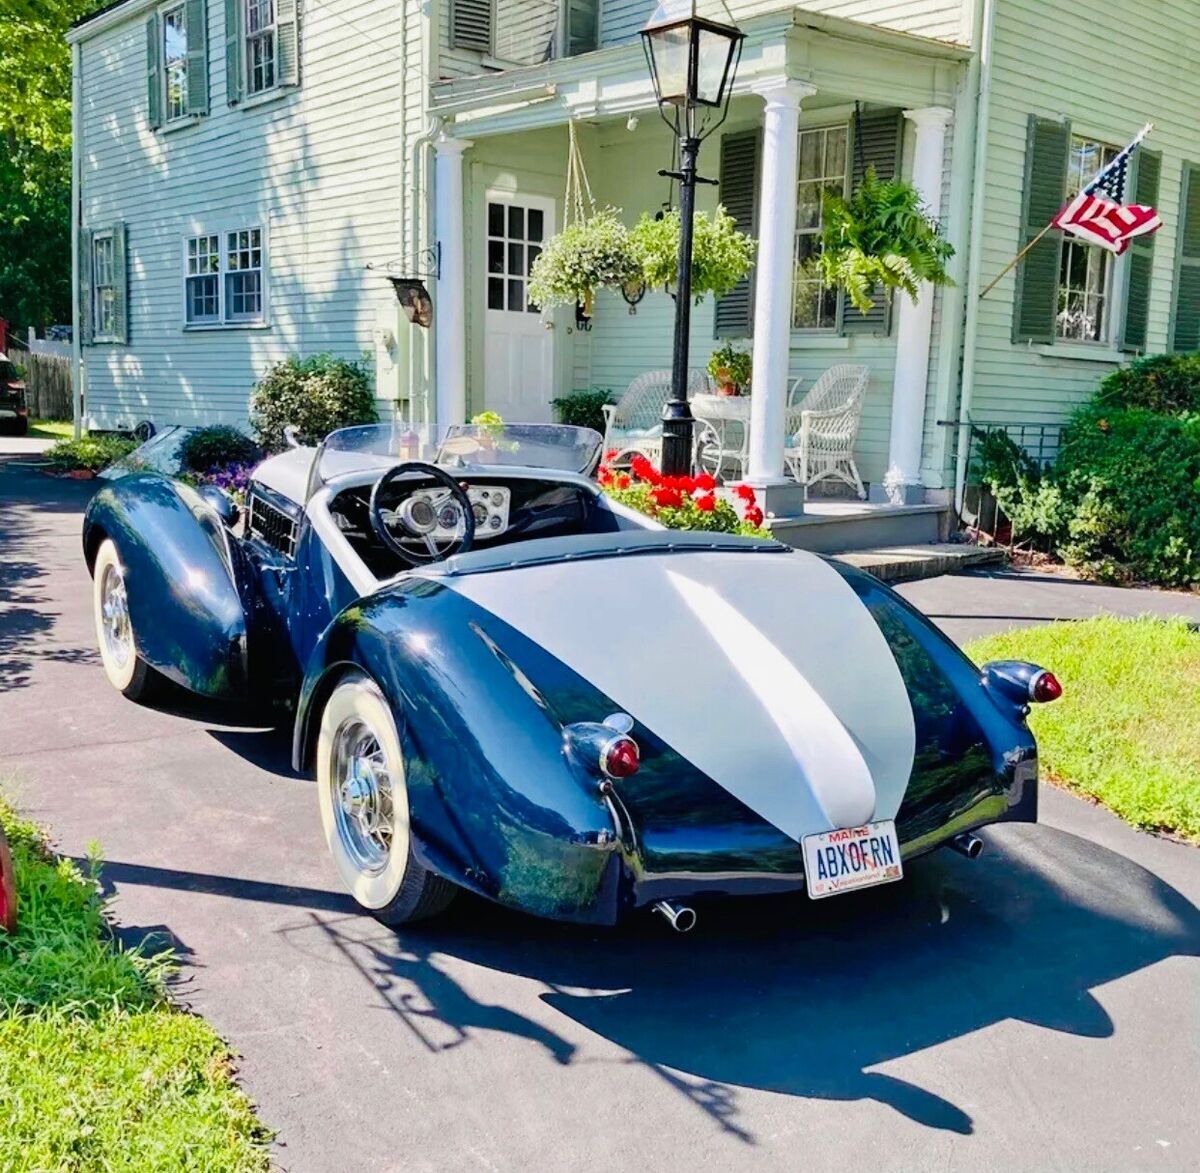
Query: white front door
518, 346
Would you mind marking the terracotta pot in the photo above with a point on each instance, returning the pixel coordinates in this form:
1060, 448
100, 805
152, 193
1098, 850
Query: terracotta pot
727, 389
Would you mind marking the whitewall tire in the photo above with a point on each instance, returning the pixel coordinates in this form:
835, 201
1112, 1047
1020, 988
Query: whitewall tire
127, 672
364, 807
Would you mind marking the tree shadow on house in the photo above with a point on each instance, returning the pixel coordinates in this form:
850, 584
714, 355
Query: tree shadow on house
804, 999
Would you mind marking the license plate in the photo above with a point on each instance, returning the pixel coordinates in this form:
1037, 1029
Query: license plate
851, 857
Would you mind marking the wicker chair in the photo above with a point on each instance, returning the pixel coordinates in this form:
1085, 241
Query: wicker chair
634, 423
822, 428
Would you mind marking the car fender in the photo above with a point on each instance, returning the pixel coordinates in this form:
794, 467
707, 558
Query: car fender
184, 578
495, 804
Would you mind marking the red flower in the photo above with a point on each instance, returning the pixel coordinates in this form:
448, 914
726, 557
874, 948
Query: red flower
644, 470
605, 476
707, 503
623, 481
707, 482
610, 456
754, 515
666, 498
744, 493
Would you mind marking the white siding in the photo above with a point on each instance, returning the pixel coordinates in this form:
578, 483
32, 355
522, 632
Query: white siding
319, 168
1052, 65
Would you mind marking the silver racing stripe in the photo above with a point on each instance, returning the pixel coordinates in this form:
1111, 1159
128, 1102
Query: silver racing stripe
766, 673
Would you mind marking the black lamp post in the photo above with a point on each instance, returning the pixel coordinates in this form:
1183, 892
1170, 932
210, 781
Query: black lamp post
692, 64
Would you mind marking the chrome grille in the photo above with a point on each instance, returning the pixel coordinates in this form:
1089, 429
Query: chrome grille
270, 524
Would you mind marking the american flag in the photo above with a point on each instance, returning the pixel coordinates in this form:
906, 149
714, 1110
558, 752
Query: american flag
1099, 215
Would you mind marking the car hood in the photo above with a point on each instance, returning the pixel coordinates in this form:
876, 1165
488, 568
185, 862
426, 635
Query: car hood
766, 673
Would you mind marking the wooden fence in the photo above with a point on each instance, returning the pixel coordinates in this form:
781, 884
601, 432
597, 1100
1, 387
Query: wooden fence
48, 386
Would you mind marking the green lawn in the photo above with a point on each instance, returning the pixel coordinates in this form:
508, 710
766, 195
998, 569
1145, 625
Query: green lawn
98, 1070
52, 429
1127, 729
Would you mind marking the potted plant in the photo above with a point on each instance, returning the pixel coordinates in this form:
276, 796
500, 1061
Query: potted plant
586, 255
730, 367
881, 238
721, 255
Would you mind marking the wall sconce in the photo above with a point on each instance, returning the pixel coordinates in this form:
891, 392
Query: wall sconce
414, 299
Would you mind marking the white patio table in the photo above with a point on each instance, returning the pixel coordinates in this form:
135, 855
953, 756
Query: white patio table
722, 433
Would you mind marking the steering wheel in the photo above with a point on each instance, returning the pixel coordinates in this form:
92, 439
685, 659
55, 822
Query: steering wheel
417, 518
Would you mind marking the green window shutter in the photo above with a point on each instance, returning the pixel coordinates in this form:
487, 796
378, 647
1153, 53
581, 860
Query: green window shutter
881, 133
120, 285
154, 83
734, 313
196, 19
1139, 265
1185, 314
1035, 307
471, 25
287, 53
233, 51
83, 283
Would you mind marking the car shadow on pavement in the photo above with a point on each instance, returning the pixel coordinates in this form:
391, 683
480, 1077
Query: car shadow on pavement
810, 999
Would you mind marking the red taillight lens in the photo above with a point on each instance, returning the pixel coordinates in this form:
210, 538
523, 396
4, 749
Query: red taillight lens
620, 758
1044, 688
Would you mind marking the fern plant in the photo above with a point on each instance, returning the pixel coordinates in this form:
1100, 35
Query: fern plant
881, 238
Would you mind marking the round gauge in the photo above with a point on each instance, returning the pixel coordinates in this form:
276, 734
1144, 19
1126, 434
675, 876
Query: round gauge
420, 512
449, 517
481, 513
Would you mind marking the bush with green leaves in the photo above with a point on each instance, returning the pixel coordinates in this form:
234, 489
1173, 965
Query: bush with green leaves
1169, 383
583, 409
317, 395
882, 238
89, 453
721, 255
216, 446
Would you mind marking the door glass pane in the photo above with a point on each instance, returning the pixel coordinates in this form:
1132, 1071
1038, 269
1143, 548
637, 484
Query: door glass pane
495, 256
516, 221
533, 254
516, 259
495, 219
516, 295
537, 226
495, 293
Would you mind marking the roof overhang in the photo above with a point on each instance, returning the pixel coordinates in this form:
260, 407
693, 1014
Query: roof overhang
105, 18
838, 56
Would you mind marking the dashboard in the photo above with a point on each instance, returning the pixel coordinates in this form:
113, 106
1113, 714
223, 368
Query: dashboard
489, 505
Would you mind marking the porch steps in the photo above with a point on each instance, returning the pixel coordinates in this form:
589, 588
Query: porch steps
906, 563
833, 527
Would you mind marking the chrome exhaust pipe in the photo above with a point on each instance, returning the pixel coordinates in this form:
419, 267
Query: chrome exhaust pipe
681, 918
967, 844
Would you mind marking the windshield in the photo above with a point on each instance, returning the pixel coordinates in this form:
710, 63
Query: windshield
379, 446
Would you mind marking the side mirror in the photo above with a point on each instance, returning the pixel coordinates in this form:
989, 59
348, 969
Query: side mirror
221, 502
1020, 682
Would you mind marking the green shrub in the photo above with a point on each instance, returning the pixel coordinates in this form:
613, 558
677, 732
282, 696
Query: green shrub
1168, 383
318, 395
90, 453
583, 409
216, 446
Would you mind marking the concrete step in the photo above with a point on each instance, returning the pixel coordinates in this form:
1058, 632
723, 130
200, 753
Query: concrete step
905, 563
832, 527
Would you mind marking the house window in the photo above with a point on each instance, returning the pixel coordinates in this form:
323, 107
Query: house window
515, 238
261, 45
175, 71
1085, 279
203, 281
822, 169
224, 288
104, 288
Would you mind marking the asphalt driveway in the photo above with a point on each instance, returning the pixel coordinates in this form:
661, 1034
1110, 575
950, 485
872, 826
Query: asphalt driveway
1037, 1009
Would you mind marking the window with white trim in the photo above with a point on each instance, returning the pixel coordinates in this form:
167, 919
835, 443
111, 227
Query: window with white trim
261, 46
104, 287
175, 62
822, 169
224, 282
1085, 277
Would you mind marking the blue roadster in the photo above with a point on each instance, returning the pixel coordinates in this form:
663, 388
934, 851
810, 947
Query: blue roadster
507, 682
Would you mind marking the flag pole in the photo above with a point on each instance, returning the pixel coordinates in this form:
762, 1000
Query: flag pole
1013, 263
1141, 134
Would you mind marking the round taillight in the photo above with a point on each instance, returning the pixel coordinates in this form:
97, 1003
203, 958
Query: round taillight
620, 758
1044, 688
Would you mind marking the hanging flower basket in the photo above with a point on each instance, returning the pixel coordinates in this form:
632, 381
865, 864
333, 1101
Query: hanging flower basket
721, 255
881, 240
587, 255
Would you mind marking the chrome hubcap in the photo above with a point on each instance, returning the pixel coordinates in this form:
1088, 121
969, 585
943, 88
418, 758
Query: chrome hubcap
114, 617
363, 796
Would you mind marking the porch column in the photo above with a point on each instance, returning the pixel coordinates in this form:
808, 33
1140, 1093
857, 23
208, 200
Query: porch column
450, 309
773, 296
914, 323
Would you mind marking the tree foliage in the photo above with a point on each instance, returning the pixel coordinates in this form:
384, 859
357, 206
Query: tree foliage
35, 159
